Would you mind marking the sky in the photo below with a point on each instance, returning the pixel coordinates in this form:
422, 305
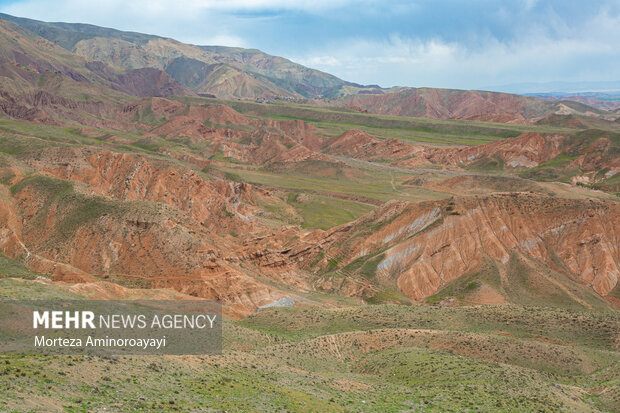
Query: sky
474, 44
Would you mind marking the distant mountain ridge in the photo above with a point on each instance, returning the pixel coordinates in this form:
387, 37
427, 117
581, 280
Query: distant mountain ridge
476, 105
562, 87
225, 71
599, 100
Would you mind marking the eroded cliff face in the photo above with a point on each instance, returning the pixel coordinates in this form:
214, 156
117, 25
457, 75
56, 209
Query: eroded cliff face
226, 205
360, 145
142, 221
527, 150
424, 246
134, 220
74, 237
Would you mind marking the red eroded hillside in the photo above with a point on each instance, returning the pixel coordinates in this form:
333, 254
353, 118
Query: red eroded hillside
455, 104
505, 240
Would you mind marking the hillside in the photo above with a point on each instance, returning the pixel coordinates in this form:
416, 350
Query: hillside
460, 104
224, 71
31, 64
382, 358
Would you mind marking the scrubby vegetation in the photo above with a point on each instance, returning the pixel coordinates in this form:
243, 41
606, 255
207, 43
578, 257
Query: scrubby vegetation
375, 358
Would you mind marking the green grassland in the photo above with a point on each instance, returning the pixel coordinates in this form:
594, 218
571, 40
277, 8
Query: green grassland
382, 358
334, 198
15, 269
325, 212
594, 329
22, 137
374, 185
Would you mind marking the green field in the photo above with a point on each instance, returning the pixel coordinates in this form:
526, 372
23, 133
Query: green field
372, 184
382, 358
325, 212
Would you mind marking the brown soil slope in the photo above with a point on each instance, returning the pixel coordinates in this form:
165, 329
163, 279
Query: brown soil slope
527, 150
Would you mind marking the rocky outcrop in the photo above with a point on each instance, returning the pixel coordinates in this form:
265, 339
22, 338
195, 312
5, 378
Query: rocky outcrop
77, 237
136, 220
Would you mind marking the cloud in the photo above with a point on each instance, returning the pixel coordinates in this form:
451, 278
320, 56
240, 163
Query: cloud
589, 53
61, 8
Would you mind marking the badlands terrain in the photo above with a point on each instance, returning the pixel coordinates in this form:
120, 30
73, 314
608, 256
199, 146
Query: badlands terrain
382, 250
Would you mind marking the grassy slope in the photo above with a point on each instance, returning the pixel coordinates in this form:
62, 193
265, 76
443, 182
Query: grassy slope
10, 268
371, 358
325, 212
526, 283
375, 185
